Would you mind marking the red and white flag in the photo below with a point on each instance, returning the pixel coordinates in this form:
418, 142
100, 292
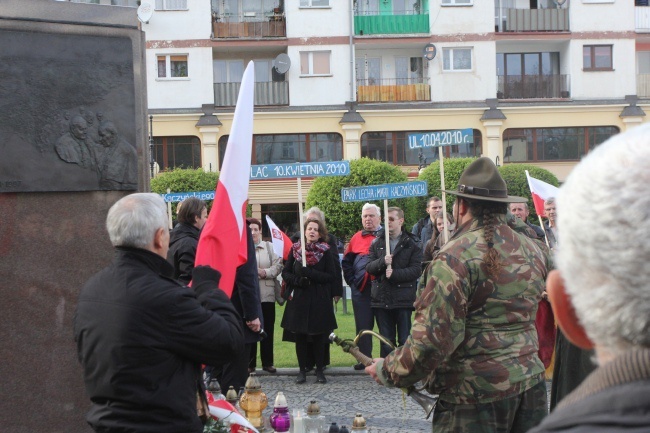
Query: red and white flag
223, 243
281, 242
541, 191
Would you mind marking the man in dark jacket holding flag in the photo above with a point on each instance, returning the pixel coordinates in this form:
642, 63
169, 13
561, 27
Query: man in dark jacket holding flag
142, 336
354, 264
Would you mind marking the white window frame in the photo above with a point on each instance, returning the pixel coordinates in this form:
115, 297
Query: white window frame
307, 4
171, 5
310, 55
168, 67
450, 50
457, 3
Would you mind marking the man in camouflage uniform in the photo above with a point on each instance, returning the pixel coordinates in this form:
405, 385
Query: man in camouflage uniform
474, 338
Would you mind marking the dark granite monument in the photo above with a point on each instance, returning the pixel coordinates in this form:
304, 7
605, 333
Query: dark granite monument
73, 139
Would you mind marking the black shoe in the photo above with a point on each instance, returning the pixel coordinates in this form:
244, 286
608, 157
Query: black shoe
359, 366
270, 369
308, 369
320, 376
302, 377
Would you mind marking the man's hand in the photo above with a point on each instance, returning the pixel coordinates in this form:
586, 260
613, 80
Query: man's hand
337, 299
388, 259
261, 273
372, 370
389, 272
254, 325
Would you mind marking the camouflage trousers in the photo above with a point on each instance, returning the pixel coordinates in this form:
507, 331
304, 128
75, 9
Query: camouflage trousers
516, 414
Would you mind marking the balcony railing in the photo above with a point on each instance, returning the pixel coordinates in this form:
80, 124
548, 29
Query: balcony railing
378, 23
393, 90
533, 86
267, 93
254, 27
535, 20
643, 85
642, 18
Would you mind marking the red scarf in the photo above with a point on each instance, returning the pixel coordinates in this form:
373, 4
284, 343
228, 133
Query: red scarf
314, 252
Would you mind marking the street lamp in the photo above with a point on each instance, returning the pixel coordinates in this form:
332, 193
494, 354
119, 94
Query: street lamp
152, 161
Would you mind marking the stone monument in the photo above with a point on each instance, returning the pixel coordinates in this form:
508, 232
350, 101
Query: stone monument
73, 137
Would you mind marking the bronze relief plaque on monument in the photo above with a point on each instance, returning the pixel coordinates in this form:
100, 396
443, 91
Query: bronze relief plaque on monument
67, 112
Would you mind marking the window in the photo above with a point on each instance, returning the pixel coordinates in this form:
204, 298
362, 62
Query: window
597, 58
393, 147
410, 70
315, 63
228, 71
457, 2
171, 152
457, 59
314, 3
553, 144
171, 5
127, 3
290, 148
172, 66
530, 75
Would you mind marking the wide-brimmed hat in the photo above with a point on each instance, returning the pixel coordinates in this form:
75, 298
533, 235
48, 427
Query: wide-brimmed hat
482, 181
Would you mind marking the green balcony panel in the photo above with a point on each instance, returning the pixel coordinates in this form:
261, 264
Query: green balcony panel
390, 24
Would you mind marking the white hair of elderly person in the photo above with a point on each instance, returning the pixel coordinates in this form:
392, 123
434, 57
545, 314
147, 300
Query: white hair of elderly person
600, 291
374, 207
134, 220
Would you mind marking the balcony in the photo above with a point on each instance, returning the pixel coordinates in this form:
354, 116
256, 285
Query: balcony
642, 19
534, 20
643, 85
533, 86
252, 26
376, 23
393, 90
268, 93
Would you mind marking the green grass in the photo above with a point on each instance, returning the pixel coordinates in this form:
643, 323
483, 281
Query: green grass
284, 353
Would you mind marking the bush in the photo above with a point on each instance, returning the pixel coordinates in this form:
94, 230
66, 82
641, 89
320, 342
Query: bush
185, 180
454, 167
344, 219
515, 177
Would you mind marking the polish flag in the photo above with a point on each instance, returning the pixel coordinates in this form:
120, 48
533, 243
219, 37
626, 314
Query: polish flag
541, 191
281, 242
223, 242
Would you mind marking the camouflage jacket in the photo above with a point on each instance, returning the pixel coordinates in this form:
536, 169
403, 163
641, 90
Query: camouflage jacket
473, 338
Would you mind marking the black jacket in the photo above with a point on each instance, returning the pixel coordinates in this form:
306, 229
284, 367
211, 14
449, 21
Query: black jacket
309, 310
398, 291
141, 339
246, 293
183, 240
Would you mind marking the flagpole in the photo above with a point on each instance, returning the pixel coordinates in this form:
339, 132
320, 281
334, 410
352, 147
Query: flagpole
444, 196
386, 229
541, 224
302, 228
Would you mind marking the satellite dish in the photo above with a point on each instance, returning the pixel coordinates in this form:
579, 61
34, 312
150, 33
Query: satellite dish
429, 51
145, 11
282, 63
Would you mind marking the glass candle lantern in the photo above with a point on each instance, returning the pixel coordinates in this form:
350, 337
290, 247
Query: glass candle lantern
280, 419
253, 401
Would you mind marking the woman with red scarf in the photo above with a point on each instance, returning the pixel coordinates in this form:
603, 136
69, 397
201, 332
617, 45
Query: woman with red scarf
308, 313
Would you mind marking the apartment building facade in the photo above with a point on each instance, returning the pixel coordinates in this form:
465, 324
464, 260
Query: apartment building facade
538, 81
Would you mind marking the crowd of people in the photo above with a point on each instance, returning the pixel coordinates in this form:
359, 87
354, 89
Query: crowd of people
459, 298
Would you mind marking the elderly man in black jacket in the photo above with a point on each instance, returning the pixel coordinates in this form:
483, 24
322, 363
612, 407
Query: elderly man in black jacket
392, 292
141, 336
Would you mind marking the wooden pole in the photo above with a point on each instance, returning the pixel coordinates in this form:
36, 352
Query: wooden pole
541, 224
444, 195
386, 229
169, 210
303, 242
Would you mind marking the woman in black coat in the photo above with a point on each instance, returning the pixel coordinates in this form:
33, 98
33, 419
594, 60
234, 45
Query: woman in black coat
309, 313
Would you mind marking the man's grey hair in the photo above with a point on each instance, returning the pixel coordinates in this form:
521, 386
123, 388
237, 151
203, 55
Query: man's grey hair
549, 200
373, 207
133, 220
604, 260
314, 211
523, 203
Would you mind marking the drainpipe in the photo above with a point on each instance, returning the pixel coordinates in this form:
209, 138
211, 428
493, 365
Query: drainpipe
352, 75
